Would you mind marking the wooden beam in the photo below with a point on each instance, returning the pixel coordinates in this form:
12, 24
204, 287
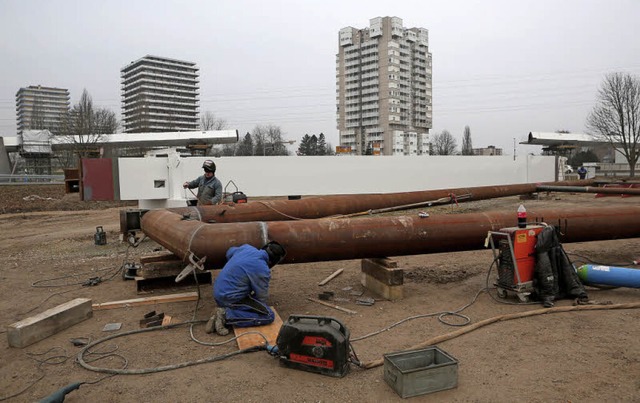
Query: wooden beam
35, 328
161, 269
386, 262
390, 292
159, 258
332, 306
160, 299
384, 274
331, 277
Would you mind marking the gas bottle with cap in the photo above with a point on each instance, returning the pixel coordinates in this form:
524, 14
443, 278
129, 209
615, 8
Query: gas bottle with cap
522, 217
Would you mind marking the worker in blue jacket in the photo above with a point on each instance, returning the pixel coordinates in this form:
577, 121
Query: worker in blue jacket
242, 288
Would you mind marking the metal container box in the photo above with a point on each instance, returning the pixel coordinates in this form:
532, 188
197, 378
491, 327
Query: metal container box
417, 372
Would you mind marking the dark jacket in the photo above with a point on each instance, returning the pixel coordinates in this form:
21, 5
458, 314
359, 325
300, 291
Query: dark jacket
555, 276
209, 190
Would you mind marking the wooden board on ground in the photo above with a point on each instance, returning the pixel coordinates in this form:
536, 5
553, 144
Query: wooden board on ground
270, 331
160, 299
35, 328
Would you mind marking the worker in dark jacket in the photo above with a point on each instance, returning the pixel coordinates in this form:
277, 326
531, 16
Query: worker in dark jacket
242, 288
209, 187
582, 172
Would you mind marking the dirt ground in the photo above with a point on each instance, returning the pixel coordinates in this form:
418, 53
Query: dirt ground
589, 356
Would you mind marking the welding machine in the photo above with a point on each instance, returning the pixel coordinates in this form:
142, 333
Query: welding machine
515, 254
315, 344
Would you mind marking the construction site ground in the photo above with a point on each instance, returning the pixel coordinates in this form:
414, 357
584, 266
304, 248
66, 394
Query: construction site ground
589, 356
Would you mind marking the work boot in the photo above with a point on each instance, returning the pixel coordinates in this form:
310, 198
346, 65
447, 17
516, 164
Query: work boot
210, 326
220, 322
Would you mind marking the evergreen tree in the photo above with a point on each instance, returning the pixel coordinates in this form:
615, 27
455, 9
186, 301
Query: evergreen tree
303, 148
313, 145
322, 145
467, 147
246, 146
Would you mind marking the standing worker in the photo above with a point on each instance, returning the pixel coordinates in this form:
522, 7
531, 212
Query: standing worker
582, 172
209, 187
242, 288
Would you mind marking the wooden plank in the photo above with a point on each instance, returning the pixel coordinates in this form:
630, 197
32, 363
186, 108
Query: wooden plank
270, 331
35, 328
332, 306
161, 269
388, 276
390, 292
331, 277
159, 258
159, 299
386, 262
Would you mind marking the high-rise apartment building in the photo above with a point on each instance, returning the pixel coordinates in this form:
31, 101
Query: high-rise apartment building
40, 108
383, 78
159, 95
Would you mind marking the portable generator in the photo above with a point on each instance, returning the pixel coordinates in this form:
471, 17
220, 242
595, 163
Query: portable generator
515, 254
315, 344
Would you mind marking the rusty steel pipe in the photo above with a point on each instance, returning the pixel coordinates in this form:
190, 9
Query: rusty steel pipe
325, 206
324, 240
590, 189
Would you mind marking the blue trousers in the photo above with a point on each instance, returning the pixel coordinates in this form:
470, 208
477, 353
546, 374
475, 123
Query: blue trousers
247, 312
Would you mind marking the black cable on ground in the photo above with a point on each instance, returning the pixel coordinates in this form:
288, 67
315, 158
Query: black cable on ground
92, 281
50, 360
81, 355
443, 314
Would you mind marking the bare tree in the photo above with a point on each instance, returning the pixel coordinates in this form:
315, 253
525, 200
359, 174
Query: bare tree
85, 125
267, 140
616, 116
209, 121
467, 147
444, 143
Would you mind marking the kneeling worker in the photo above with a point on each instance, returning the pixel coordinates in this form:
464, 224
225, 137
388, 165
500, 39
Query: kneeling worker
242, 288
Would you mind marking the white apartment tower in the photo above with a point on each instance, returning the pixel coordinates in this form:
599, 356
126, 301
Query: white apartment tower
383, 78
40, 108
159, 95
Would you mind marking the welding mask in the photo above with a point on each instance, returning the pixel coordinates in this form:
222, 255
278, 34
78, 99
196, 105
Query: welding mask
275, 251
209, 166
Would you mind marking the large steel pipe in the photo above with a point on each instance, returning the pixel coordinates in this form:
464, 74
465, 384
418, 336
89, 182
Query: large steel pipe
325, 206
590, 189
323, 240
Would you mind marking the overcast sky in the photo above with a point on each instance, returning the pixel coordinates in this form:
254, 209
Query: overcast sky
503, 67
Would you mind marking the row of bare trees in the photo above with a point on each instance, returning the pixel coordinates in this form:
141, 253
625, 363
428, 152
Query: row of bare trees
444, 143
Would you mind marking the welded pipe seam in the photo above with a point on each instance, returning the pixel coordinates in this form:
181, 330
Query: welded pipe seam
202, 225
264, 231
